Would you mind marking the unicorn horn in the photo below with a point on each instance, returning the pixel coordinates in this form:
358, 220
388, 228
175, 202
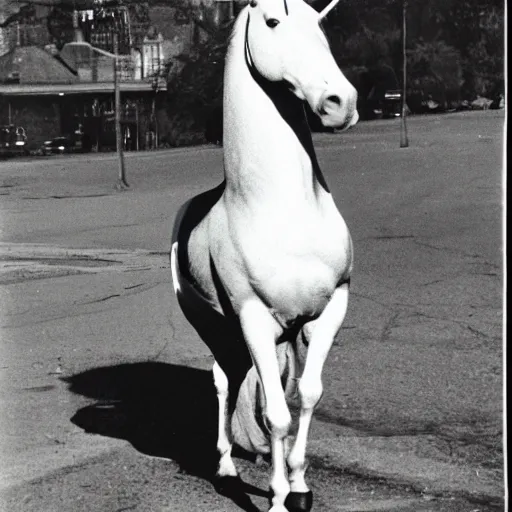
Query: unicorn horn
326, 10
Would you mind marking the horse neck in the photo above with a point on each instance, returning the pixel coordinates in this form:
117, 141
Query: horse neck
267, 141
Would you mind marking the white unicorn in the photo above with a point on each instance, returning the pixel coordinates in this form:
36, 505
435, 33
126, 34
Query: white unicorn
261, 264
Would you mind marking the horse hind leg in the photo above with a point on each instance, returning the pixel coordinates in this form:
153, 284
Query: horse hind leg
320, 335
231, 358
226, 468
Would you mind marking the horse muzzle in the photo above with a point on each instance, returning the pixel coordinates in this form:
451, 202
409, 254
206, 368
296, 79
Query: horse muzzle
337, 111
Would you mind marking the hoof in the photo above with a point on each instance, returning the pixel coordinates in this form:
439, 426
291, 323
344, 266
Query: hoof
299, 501
227, 485
296, 501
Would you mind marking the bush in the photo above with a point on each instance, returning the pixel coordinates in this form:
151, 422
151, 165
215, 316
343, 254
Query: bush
435, 76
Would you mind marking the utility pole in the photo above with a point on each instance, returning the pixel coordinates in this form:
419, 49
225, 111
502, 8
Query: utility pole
404, 139
155, 85
121, 182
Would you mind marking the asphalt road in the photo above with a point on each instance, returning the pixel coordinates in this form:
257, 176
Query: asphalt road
106, 402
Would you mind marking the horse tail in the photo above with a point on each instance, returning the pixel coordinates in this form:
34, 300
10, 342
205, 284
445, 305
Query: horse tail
247, 423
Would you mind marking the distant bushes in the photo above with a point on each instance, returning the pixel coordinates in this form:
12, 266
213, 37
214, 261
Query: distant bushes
434, 75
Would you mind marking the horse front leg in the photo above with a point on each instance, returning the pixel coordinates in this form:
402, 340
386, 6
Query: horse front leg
320, 335
261, 331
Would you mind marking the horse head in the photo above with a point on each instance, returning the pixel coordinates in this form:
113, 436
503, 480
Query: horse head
285, 43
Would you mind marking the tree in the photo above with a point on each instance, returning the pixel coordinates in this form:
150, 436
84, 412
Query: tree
194, 99
435, 73
60, 26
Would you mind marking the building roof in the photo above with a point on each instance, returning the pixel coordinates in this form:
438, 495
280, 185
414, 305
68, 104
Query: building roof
79, 88
33, 65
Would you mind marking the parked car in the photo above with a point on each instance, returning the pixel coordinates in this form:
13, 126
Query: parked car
59, 146
382, 97
384, 103
13, 141
392, 103
498, 95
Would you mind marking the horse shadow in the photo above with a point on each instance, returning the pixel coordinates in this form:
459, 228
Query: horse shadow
163, 410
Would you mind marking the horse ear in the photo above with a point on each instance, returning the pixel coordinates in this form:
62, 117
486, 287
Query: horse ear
326, 10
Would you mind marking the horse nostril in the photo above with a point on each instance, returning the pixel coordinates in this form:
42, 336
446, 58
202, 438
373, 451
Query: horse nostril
334, 99
330, 105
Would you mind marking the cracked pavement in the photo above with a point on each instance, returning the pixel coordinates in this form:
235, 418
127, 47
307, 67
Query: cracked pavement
105, 403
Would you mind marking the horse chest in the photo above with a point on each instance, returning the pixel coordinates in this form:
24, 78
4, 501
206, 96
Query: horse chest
294, 236
296, 266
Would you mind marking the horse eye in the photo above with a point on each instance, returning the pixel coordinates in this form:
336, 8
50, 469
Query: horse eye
272, 22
